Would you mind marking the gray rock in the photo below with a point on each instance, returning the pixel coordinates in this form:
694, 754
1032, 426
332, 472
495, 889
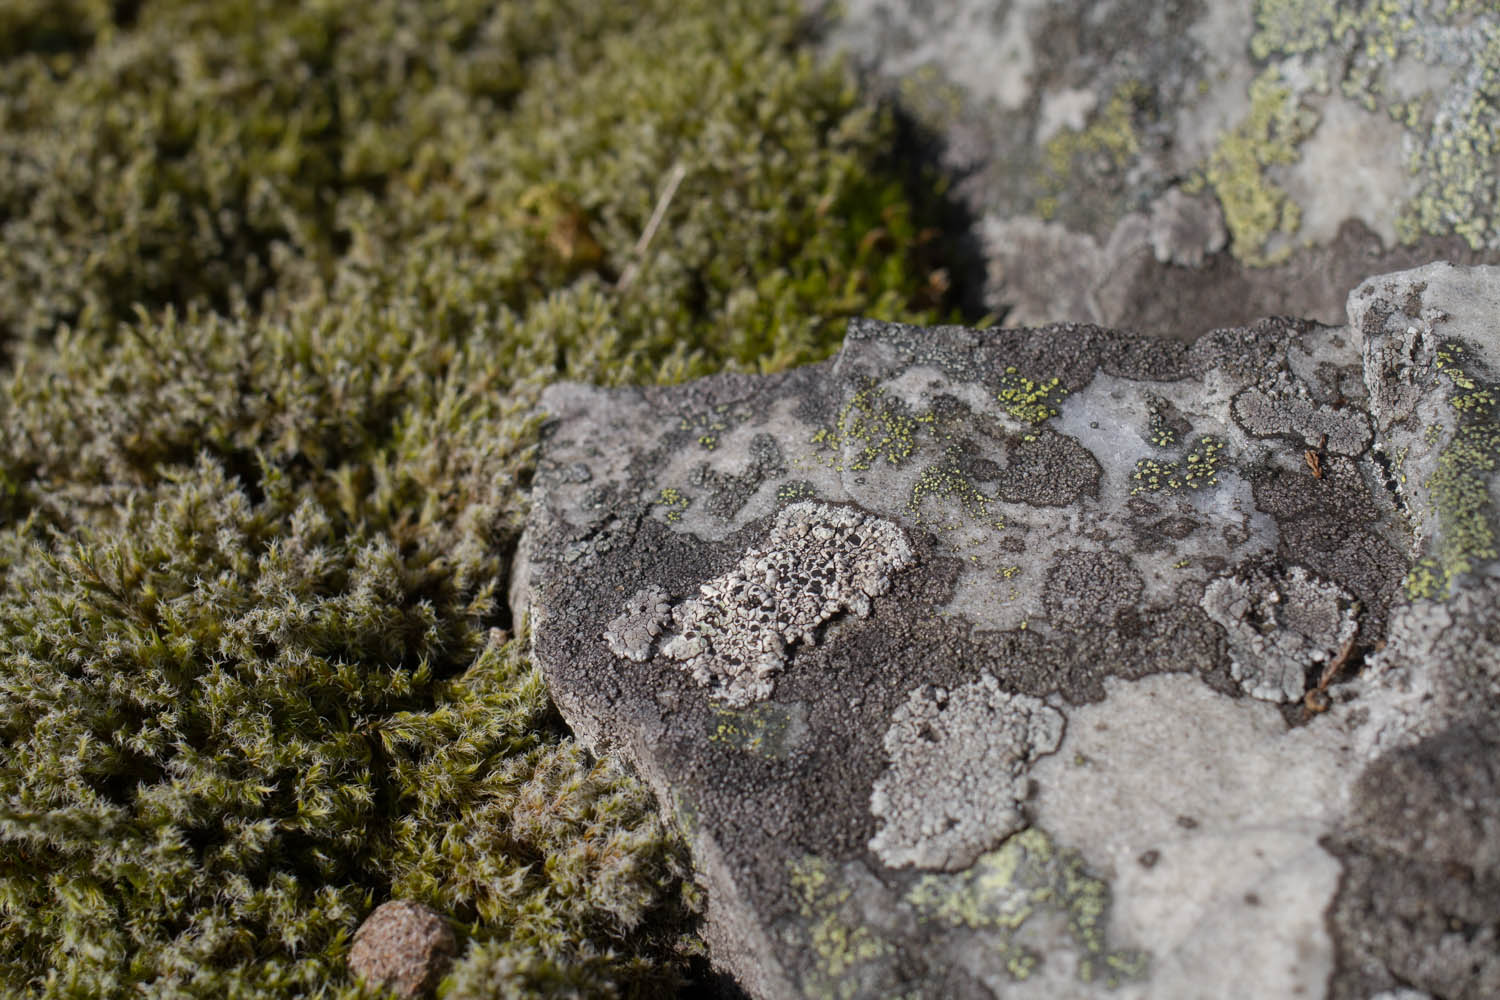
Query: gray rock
1171, 167
1040, 663
402, 946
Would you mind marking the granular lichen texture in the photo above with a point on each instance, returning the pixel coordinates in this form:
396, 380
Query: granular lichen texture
282, 284
957, 775
818, 560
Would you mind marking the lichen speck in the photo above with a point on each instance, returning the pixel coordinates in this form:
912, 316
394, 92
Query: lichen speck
817, 561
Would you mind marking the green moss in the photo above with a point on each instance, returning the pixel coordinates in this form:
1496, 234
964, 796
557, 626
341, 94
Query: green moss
282, 285
1459, 486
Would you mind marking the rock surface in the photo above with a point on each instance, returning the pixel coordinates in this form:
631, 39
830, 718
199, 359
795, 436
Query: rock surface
403, 946
1196, 163
1059, 662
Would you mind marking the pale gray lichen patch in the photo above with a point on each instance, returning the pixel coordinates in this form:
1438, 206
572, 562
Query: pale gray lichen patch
818, 560
1279, 623
957, 773
1273, 412
633, 631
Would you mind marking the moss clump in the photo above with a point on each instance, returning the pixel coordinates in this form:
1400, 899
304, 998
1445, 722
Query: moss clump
282, 284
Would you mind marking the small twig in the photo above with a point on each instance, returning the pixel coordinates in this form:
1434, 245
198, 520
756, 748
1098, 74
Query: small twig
1314, 457
638, 252
1316, 700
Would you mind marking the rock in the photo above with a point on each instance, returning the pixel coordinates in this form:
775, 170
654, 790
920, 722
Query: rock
1173, 167
1059, 662
403, 946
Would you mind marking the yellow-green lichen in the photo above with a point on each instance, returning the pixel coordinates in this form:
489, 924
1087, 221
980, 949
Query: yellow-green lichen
869, 427
673, 499
1197, 470
760, 731
1255, 208
946, 479
1110, 138
1026, 400
839, 943
1382, 49
1459, 486
1025, 876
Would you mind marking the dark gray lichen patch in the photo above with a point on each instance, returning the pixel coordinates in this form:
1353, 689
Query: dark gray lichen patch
1090, 589
727, 493
1419, 903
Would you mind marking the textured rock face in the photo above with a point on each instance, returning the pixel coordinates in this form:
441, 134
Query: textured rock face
1181, 165
1059, 662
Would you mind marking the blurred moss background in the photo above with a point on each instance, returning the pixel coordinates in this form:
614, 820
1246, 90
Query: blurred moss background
279, 285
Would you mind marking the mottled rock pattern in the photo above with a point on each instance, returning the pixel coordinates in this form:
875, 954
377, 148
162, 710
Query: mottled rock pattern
1176, 166
403, 946
1159, 664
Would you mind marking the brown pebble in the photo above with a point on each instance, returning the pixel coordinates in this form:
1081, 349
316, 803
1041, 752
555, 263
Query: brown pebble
404, 946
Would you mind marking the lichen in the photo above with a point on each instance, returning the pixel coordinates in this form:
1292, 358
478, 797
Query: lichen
1196, 470
634, 631
1280, 623
1377, 50
1025, 877
1026, 400
957, 772
818, 560
869, 427
1460, 483
839, 942
1255, 207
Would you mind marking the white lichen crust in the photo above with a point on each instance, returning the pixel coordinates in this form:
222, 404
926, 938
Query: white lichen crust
818, 560
633, 631
1279, 624
957, 773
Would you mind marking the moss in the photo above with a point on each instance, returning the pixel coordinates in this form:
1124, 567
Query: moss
1255, 208
1460, 483
282, 285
